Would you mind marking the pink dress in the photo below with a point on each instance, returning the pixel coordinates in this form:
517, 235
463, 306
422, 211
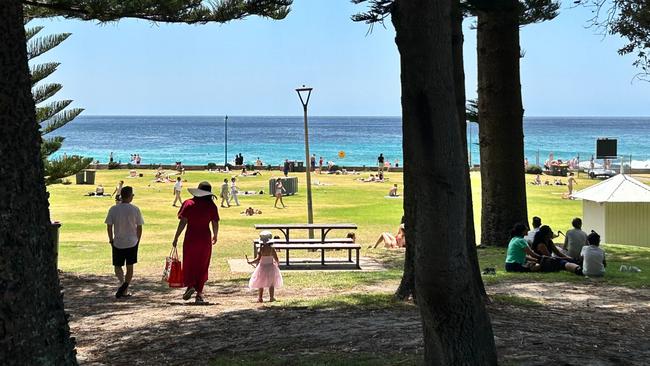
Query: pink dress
267, 274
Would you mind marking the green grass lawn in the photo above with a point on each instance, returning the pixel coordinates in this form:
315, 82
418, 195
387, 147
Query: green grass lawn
84, 247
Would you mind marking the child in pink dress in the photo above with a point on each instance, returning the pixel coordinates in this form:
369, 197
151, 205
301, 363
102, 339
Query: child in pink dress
267, 273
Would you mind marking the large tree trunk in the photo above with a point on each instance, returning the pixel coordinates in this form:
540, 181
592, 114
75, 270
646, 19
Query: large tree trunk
435, 201
459, 81
33, 326
501, 133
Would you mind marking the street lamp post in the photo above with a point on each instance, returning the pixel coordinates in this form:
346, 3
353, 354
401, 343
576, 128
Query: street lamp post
225, 155
305, 101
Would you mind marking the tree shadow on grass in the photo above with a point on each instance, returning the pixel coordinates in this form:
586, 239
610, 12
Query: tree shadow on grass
147, 330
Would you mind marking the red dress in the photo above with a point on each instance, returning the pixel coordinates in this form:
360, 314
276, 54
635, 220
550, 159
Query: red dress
197, 245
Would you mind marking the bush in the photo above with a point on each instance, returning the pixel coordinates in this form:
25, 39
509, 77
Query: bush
129, 165
534, 169
113, 165
212, 166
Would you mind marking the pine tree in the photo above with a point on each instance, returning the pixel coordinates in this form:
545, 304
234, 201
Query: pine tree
51, 115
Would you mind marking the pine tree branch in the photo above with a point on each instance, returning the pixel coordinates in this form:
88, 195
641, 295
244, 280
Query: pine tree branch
46, 112
32, 31
168, 11
44, 92
41, 71
41, 45
59, 120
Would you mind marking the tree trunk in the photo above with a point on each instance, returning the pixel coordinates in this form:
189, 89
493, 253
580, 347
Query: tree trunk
501, 133
435, 181
33, 325
457, 40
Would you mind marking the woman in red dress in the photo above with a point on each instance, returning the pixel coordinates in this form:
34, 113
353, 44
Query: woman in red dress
197, 213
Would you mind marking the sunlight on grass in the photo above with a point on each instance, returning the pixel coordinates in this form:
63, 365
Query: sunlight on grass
84, 247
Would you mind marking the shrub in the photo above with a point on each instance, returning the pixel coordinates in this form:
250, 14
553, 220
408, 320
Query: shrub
212, 166
534, 169
113, 165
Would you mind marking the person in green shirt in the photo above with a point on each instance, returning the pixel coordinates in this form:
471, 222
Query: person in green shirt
519, 257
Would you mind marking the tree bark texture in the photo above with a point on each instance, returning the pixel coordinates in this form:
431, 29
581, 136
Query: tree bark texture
501, 134
33, 325
435, 197
457, 40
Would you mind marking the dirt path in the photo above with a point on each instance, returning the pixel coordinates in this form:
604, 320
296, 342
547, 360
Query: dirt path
593, 325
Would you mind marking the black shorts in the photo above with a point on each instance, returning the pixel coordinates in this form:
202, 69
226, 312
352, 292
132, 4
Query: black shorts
128, 255
516, 267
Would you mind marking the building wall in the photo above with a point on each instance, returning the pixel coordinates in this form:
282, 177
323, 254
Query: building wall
628, 223
593, 218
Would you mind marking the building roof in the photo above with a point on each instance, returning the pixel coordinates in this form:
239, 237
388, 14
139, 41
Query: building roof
619, 188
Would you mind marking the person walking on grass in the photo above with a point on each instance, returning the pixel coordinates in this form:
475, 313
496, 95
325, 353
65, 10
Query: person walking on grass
117, 191
197, 214
178, 186
279, 190
224, 193
267, 270
124, 226
233, 191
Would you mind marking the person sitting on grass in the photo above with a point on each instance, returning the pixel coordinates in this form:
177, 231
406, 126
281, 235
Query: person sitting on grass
393, 191
393, 241
544, 247
575, 239
537, 181
593, 257
251, 211
519, 257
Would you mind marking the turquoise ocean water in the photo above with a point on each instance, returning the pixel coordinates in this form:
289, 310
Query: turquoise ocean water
200, 140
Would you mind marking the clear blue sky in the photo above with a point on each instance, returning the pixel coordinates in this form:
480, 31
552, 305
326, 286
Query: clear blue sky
252, 67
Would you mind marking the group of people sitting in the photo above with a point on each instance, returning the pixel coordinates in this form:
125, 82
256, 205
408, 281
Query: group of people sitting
534, 250
556, 181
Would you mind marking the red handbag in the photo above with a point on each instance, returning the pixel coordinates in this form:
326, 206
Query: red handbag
173, 272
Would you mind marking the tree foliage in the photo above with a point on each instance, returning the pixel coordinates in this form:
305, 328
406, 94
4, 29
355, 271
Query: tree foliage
629, 19
51, 115
532, 11
168, 11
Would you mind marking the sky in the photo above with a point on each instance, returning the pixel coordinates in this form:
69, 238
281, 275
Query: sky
252, 67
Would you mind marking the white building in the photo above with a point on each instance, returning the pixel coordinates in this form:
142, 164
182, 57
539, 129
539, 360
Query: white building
618, 209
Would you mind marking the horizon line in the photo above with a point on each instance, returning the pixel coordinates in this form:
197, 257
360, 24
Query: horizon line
335, 116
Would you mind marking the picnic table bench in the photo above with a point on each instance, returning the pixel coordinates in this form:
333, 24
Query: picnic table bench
323, 243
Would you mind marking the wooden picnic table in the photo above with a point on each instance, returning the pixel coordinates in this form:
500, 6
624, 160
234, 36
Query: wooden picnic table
323, 243
324, 228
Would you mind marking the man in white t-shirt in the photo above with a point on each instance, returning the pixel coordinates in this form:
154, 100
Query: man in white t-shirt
593, 257
178, 187
537, 223
124, 226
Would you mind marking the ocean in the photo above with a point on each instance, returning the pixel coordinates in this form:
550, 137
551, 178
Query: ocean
200, 140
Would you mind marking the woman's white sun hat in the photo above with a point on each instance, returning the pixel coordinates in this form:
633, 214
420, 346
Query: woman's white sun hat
265, 236
204, 189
